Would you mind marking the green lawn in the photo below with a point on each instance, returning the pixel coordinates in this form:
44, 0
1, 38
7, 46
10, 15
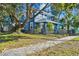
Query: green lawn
20, 40
69, 48
32, 36
76, 39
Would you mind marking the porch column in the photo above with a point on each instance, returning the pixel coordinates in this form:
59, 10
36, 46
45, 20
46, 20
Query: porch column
55, 28
45, 28
33, 26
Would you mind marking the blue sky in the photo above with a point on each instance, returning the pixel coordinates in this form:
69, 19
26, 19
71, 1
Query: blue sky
41, 5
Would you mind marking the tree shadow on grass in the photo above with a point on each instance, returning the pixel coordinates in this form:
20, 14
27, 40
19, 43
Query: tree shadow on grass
8, 38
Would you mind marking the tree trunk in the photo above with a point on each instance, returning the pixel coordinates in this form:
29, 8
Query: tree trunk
68, 29
15, 18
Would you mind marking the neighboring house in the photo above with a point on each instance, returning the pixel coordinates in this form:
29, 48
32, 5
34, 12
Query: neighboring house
6, 25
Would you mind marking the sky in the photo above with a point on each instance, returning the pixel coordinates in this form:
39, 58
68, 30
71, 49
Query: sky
40, 6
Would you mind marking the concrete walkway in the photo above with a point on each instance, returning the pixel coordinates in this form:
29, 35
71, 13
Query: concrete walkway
24, 51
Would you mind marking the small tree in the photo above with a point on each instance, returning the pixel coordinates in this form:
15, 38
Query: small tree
50, 27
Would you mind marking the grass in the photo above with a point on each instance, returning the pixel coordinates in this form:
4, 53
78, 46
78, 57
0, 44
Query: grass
76, 39
69, 48
10, 37
36, 36
21, 40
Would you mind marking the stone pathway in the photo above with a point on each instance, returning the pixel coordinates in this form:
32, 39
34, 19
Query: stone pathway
24, 51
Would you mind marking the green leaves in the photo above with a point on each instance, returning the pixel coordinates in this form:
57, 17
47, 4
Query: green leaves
50, 25
76, 21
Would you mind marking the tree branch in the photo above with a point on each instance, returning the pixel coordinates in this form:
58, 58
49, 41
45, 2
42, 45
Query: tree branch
27, 20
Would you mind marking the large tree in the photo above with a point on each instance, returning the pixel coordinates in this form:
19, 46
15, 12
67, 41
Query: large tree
67, 8
10, 9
